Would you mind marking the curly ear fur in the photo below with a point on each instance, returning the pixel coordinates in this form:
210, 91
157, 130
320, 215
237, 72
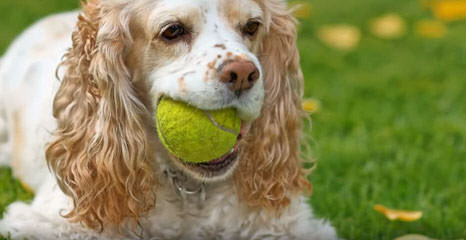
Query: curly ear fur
271, 171
102, 154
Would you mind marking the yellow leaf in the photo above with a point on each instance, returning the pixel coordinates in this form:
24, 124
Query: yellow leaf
311, 105
388, 26
343, 36
449, 10
413, 237
26, 187
301, 9
430, 29
402, 215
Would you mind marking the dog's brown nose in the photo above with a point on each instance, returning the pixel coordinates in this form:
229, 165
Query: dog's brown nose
239, 75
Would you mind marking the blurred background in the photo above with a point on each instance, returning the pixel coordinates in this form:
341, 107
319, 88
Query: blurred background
386, 90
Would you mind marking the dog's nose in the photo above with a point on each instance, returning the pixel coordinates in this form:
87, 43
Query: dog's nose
239, 75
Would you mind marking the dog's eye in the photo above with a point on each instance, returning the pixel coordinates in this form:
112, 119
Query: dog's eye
173, 32
251, 28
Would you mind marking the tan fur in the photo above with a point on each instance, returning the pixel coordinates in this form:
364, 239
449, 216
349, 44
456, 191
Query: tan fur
231, 11
102, 155
270, 171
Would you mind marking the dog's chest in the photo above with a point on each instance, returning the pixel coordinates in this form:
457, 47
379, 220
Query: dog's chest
219, 215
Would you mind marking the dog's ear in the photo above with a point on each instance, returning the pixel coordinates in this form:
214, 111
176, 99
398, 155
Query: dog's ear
102, 153
271, 171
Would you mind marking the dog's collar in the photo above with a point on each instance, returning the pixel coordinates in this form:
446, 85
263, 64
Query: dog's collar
187, 189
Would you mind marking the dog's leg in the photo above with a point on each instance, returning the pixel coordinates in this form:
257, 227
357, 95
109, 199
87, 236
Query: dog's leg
306, 225
297, 222
42, 218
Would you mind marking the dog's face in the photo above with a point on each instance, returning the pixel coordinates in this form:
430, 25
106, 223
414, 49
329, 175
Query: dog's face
203, 52
212, 54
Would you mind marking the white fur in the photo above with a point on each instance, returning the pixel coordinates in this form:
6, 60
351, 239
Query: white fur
27, 87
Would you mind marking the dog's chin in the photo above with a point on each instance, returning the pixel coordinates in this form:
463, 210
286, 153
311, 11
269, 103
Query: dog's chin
211, 171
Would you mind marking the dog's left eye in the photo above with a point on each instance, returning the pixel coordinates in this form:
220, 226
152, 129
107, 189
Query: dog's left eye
173, 32
251, 28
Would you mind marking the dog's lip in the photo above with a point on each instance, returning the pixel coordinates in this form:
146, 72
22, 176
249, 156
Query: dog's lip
219, 164
215, 167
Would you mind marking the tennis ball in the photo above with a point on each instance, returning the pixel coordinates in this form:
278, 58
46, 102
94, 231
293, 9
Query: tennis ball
195, 135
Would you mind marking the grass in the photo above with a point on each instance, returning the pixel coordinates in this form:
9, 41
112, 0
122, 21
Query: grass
10, 190
392, 127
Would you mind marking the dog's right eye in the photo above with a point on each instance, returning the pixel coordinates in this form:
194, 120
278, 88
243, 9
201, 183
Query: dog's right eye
173, 32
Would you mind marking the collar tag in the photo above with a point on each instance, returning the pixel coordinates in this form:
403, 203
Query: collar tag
187, 189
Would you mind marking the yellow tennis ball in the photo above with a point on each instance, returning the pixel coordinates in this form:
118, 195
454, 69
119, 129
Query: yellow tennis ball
195, 135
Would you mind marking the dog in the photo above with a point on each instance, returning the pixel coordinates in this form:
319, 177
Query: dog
86, 144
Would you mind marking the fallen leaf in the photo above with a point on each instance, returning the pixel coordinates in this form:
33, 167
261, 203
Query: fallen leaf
343, 36
395, 214
311, 105
413, 237
26, 187
430, 29
301, 9
449, 10
389, 26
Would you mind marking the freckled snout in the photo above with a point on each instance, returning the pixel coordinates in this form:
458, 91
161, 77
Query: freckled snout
238, 75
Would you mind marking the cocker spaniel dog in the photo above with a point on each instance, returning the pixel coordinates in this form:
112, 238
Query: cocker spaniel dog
87, 144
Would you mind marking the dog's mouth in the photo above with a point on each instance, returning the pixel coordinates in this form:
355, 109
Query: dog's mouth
219, 166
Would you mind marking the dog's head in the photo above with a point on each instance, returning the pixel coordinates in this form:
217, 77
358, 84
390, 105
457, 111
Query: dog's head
212, 54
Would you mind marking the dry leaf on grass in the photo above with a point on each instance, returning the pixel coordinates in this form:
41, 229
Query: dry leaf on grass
430, 29
395, 214
26, 187
301, 9
389, 26
343, 36
449, 10
311, 105
413, 237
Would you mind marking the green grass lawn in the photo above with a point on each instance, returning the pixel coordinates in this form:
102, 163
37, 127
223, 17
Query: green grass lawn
391, 129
